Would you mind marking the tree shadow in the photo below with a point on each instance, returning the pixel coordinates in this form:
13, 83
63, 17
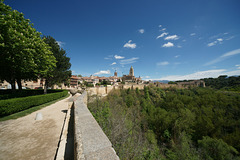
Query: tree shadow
69, 149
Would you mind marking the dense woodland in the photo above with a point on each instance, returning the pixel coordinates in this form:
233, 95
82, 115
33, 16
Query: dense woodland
223, 82
196, 123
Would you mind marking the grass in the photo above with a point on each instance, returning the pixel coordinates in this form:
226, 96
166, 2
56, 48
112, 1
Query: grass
30, 110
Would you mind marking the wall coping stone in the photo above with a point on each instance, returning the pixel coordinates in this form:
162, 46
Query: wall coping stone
90, 140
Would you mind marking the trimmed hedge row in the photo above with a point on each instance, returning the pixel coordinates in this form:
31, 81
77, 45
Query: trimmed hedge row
7, 94
14, 105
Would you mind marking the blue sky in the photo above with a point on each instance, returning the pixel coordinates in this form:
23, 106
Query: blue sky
161, 39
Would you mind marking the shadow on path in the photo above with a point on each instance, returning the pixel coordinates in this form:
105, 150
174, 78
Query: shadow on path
69, 149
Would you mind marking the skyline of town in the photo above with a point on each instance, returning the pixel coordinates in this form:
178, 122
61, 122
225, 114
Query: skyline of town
162, 40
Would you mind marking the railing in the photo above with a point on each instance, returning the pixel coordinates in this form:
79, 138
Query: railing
90, 142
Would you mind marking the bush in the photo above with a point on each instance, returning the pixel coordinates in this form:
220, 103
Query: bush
7, 94
14, 105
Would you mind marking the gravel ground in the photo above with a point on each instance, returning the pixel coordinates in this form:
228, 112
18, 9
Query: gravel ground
28, 139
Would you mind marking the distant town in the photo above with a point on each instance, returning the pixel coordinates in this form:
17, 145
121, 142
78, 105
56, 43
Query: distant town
114, 80
78, 81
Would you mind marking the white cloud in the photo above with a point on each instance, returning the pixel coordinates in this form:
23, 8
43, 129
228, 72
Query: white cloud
230, 38
238, 66
129, 44
103, 72
108, 57
179, 46
232, 73
129, 61
176, 56
231, 53
219, 40
201, 74
163, 63
162, 35
173, 37
215, 36
169, 44
192, 34
118, 57
160, 26
61, 44
222, 57
164, 29
212, 43
113, 63
141, 31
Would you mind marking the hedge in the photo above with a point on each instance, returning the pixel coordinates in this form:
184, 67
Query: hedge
14, 105
7, 94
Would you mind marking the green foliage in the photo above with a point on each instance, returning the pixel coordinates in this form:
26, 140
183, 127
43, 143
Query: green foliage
105, 83
7, 94
223, 82
24, 55
170, 124
171, 82
88, 84
216, 149
61, 73
10, 106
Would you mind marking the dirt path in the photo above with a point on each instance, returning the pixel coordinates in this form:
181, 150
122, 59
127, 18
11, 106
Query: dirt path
28, 139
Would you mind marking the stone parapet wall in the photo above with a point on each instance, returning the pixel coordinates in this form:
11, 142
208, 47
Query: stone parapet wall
105, 90
90, 140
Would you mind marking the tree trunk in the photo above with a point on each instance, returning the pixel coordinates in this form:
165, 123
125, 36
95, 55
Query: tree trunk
13, 85
45, 87
19, 84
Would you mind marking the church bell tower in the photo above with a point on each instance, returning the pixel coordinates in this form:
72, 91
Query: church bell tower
131, 72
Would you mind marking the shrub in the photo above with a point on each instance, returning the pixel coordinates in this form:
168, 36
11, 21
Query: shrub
14, 105
7, 94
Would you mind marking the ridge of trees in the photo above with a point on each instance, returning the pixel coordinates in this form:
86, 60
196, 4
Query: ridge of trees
196, 123
223, 82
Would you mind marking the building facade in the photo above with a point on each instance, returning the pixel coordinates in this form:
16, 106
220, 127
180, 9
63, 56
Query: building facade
131, 77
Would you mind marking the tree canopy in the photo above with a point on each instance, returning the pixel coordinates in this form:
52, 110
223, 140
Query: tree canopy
175, 124
25, 55
61, 73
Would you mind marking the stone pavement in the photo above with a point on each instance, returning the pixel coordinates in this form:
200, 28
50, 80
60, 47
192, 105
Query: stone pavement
28, 139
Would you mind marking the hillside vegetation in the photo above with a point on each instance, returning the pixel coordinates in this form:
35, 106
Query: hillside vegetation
197, 123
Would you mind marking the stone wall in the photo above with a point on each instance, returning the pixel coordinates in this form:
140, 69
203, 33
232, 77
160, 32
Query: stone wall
90, 140
103, 91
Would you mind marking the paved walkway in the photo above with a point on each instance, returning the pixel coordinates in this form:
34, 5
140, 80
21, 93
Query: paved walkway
28, 139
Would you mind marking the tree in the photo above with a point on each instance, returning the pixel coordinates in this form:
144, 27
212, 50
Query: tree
216, 149
24, 55
171, 82
62, 72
